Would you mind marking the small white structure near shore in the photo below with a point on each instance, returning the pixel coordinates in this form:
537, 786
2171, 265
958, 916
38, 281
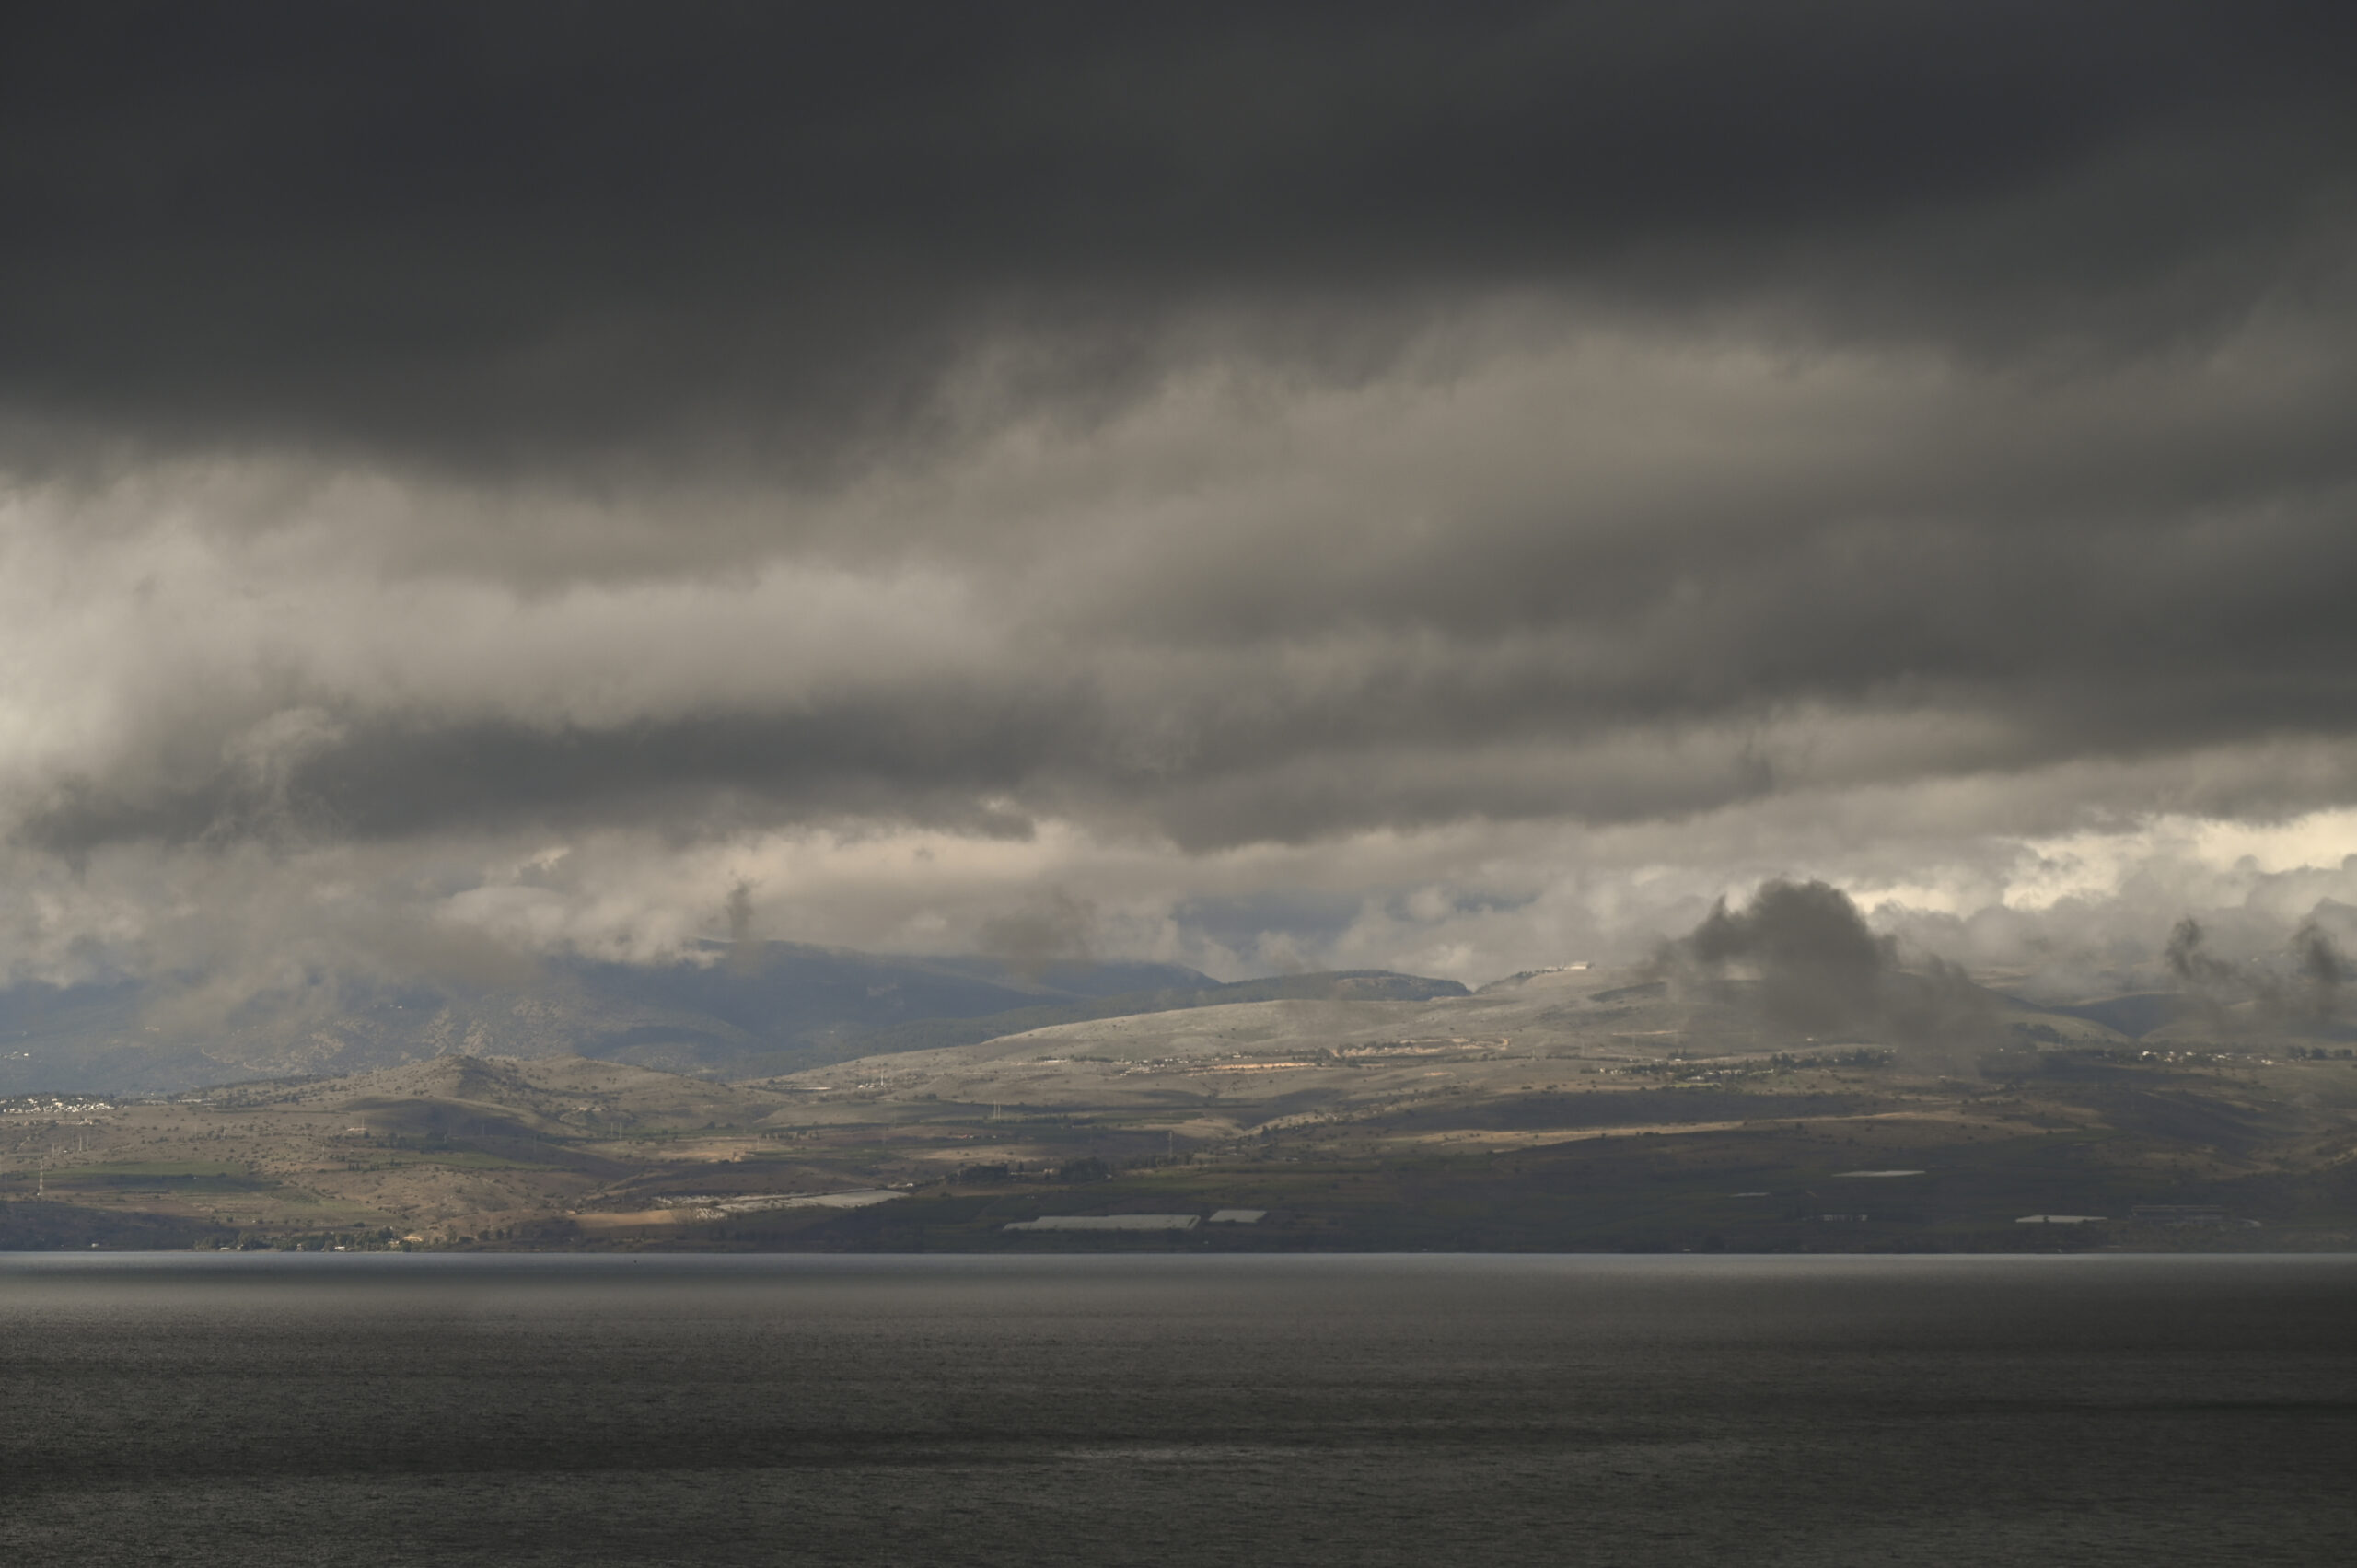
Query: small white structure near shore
757, 1202
1109, 1221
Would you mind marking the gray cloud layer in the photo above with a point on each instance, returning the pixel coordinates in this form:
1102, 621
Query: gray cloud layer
1243, 427
493, 234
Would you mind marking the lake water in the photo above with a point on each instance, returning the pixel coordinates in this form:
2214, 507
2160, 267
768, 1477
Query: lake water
1428, 1409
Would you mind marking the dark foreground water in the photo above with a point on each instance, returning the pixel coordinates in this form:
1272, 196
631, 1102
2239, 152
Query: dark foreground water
1164, 1410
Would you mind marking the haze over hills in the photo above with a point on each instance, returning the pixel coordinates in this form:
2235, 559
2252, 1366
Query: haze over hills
730, 1012
1798, 965
1769, 1060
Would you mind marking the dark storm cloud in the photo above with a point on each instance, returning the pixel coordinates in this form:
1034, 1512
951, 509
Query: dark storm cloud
923, 762
1813, 967
532, 232
1205, 440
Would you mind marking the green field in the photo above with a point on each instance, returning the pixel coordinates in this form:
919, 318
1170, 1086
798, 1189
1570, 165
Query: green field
456, 1158
159, 1175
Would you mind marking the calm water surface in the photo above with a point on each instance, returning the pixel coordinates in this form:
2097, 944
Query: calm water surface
1164, 1410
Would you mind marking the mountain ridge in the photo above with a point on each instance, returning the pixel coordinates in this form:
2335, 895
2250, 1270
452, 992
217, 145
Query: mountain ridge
722, 1012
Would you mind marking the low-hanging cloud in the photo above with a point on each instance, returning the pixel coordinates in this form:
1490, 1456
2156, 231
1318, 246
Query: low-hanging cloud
2300, 983
1811, 965
2322, 965
1049, 927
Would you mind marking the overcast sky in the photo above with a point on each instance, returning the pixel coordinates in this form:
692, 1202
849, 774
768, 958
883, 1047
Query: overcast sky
1454, 488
